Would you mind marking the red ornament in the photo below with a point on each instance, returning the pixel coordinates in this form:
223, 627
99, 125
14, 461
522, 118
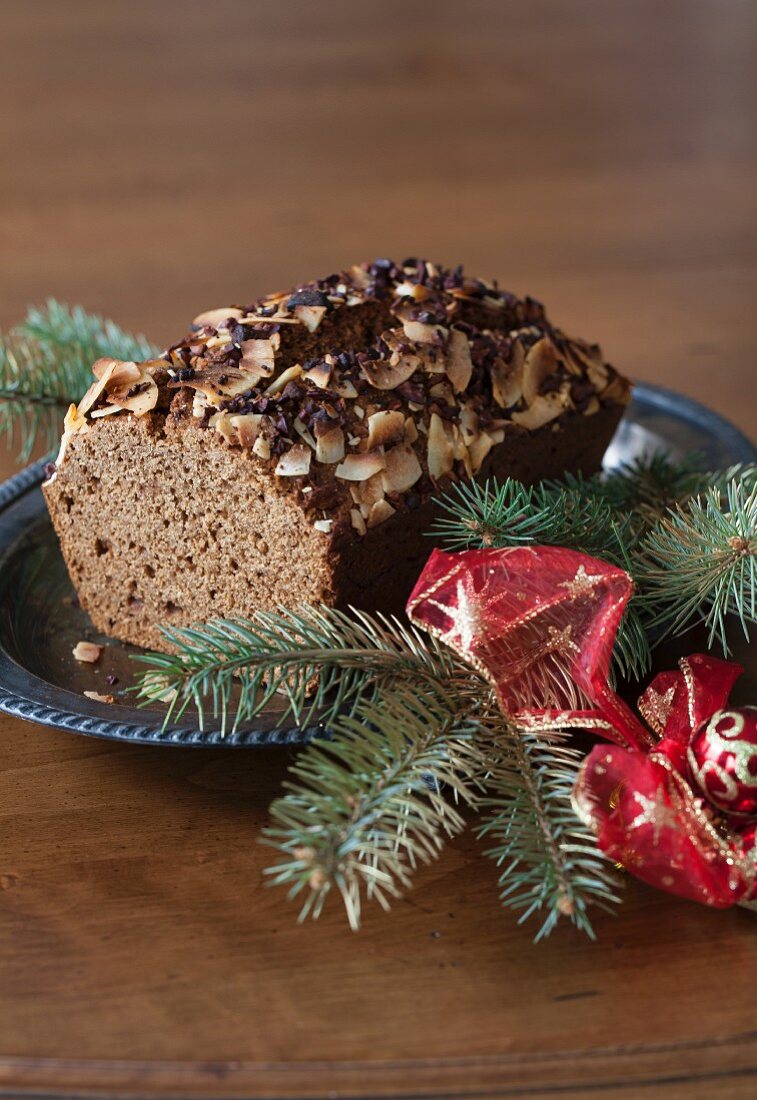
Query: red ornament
539, 622
722, 757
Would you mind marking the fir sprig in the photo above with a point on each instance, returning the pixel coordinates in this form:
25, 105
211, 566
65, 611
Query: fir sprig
319, 662
645, 487
699, 563
45, 364
366, 808
550, 863
58, 328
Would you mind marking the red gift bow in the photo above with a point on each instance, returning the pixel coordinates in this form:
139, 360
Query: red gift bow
645, 813
539, 622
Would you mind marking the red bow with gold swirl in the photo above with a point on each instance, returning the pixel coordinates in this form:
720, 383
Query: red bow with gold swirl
677, 805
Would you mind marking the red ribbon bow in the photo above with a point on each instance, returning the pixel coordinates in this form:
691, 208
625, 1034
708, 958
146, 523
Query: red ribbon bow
540, 622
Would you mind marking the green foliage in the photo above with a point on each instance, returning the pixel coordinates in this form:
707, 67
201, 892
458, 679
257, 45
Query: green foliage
687, 538
320, 662
59, 329
550, 863
647, 486
45, 364
415, 736
366, 808
699, 563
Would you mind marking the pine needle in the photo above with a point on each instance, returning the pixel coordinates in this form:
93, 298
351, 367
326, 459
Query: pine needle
45, 364
550, 862
699, 564
365, 809
320, 662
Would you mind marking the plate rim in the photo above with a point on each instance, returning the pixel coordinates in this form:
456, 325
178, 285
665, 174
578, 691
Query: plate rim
15, 703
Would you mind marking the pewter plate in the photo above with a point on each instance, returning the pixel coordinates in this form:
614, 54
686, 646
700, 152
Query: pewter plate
40, 621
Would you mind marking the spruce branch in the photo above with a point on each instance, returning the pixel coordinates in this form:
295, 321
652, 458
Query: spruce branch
363, 810
550, 863
45, 364
699, 564
647, 486
58, 328
319, 661
34, 395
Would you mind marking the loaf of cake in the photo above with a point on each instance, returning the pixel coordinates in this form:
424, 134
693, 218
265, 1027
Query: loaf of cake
289, 451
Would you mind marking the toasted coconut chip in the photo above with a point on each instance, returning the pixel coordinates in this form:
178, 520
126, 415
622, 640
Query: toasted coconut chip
440, 454
459, 364
101, 367
411, 430
221, 421
545, 407
583, 353
199, 403
284, 379
319, 375
275, 319
388, 374
593, 407
262, 447
598, 375
210, 383
324, 525
379, 513
330, 446
304, 433
98, 698
507, 378
442, 391
416, 291
479, 449
366, 493
122, 372
106, 410
468, 423
97, 388
73, 423
617, 392
421, 333
247, 427
384, 429
360, 467
295, 462
402, 469
345, 388
87, 652
310, 316
541, 361
257, 358
139, 403
357, 521
215, 317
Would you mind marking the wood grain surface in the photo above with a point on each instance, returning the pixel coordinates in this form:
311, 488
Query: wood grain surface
164, 157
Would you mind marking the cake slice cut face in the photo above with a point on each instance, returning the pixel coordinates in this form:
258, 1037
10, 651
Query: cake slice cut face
289, 451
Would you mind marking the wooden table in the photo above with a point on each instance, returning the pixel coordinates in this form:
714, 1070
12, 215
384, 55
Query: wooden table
163, 157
